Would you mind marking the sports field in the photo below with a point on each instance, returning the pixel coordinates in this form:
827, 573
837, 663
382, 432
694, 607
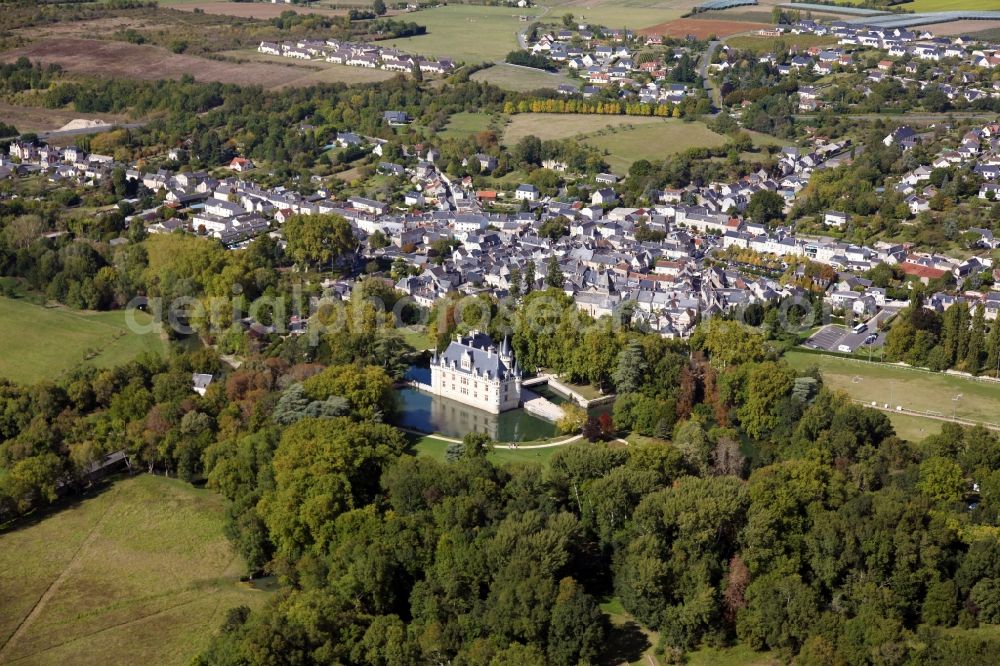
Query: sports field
466, 33
929, 392
41, 342
139, 574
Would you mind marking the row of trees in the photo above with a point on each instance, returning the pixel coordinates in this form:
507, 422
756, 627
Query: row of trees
958, 338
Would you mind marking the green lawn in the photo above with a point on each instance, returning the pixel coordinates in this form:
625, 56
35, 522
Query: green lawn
911, 389
466, 33
653, 141
564, 125
435, 448
769, 44
139, 574
522, 79
464, 123
43, 342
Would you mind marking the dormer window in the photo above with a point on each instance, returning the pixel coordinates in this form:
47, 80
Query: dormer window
467, 361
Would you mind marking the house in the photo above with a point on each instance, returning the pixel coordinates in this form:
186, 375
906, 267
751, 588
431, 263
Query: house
904, 136
240, 164
835, 218
526, 192
473, 371
603, 197
200, 382
396, 118
413, 199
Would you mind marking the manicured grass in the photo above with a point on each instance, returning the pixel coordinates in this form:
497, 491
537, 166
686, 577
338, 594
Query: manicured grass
44, 342
138, 574
435, 448
418, 339
911, 389
653, 141
914, 428
738, 655
564, 125
466, 33
769, 44
522, 79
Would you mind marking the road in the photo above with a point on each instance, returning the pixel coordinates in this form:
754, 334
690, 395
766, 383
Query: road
522, 36
713, 92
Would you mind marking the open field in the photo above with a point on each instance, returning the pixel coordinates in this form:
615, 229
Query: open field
949, 5
255, 10
465, 123
911, 389
701, 28
38, 119
140, 573
564, 125
522, 79
130, 61
961, 27
653, 141
622, 13
768, 44
314, 71
41, 343
466, 33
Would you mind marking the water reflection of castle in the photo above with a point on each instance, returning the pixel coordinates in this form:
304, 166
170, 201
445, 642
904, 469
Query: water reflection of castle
464, 418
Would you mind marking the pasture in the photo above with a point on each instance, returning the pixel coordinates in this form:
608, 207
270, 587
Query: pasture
912, 389
252, 10
465, 123
652, 141
565, 125
39, 119
918, 6
522, 79
757, 44
41, 343
140, 573
466, 33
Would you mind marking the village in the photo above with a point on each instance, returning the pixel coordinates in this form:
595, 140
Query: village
669, 262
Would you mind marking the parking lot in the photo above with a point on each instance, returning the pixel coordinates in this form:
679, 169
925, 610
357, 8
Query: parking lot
838, 338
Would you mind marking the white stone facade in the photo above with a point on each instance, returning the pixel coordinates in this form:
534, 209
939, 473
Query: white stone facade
474, 372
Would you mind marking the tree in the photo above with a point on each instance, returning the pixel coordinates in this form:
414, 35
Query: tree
514, 282
573, 418
529, 277
23, 230
765, 206
630, 368
941, 479
554, 278
379, 7
318, 241
941, 603
321, 469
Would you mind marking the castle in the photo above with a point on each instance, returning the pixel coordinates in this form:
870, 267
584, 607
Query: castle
474, 372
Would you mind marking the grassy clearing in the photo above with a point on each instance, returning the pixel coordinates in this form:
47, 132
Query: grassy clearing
43, 342
466, 33
911, 389
140, 573
564, 125
464, 123
769, 44
633, 14
435, 448
522, 79
653, 141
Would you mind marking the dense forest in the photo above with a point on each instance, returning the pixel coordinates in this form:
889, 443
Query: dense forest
765, 510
